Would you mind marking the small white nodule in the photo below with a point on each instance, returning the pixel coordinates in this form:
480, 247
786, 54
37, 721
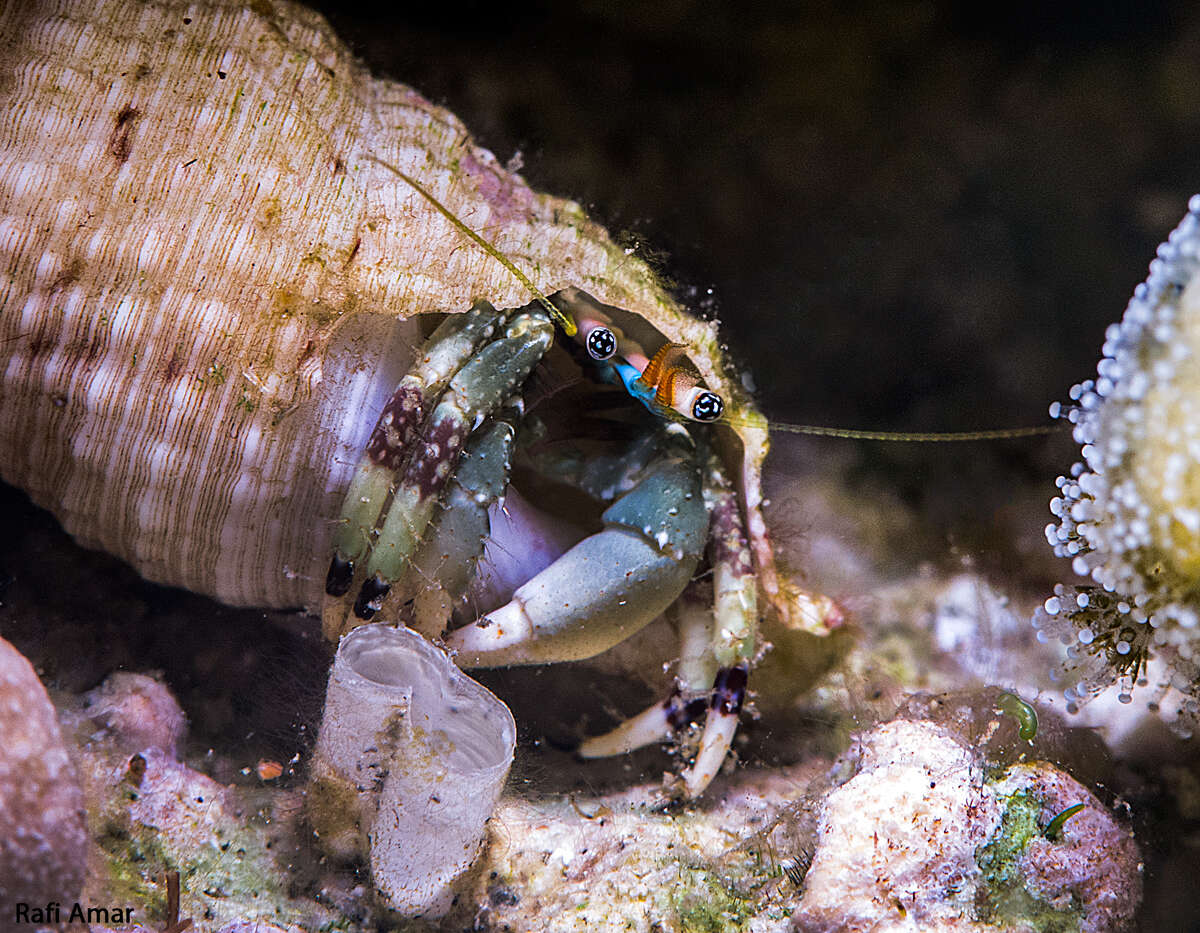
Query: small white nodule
410, 761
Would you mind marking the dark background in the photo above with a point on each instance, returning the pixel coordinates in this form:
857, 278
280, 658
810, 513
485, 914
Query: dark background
908, 216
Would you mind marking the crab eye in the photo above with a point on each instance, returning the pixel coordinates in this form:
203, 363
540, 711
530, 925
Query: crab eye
707, 406
601, 343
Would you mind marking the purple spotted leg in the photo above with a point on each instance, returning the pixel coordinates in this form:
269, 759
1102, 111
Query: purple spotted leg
443, 354
482, 385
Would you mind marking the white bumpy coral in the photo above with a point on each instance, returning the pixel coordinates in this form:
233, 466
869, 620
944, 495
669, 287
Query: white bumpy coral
1129, 514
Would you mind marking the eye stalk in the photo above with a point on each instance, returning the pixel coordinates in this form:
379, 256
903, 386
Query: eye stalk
599, 336
671, 385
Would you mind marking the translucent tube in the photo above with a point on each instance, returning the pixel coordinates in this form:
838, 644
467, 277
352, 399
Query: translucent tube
410, 761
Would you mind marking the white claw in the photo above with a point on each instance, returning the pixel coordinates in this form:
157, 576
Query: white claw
647, 727
607, 587
501, 631
719, 728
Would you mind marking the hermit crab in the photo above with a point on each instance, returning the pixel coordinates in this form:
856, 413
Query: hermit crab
279, 332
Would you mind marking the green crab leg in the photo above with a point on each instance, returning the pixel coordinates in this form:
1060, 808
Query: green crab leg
442, 355
607, 586
735, 587
444, 564
697, 663
480, 386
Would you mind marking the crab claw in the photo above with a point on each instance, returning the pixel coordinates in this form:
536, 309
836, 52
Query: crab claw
605, 588
729, 692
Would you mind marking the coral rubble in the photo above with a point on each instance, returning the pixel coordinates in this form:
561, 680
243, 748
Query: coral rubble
42, 832
899, 838
1088, 868
150, 814
918, 838
139, 711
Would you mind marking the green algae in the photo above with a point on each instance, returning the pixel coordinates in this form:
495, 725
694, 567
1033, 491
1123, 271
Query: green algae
234, 867
704, 904
133, 866
1054, 827
1003, 899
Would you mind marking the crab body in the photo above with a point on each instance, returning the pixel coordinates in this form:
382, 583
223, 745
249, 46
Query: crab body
216, 276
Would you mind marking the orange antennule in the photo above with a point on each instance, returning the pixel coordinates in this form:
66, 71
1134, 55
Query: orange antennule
653, 374
669, 373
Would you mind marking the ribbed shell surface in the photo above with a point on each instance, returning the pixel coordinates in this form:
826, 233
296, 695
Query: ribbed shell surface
208, 279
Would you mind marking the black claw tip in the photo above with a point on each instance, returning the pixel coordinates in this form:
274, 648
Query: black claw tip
341, 572
682, 713
729, 690
370, 598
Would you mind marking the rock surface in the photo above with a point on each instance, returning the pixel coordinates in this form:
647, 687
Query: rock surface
42, 834
140, 712
918, 839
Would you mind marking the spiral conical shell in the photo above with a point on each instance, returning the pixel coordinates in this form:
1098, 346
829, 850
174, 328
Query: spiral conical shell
209, 279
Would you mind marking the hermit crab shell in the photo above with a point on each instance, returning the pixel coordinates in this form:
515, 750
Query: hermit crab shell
211, 275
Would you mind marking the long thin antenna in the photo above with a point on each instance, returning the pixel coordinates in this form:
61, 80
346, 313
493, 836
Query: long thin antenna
568, 326
916, 436
555, 314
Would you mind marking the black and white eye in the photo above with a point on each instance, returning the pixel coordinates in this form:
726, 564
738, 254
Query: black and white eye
707, 407
601, 343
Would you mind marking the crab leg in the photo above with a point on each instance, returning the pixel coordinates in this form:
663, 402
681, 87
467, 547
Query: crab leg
444, 565
441, 356
716, 651
735, 592
480, 386
735, 609
687, 702
729, 692
607, 586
